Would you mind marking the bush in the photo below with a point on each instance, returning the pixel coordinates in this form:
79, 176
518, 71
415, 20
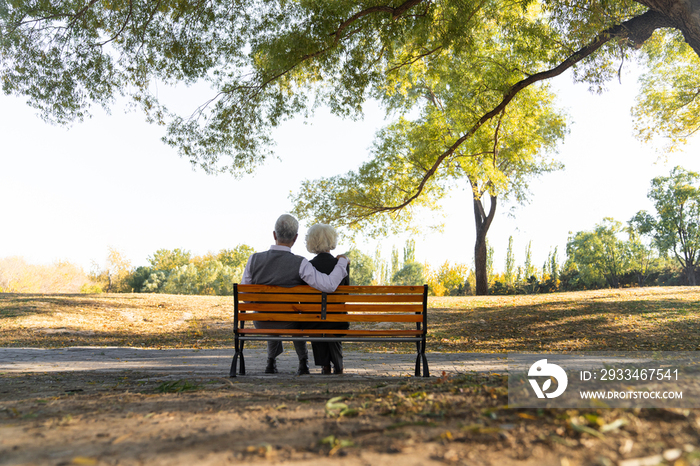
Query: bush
448, 280
362, 268
91, 288
501, 288
410, 274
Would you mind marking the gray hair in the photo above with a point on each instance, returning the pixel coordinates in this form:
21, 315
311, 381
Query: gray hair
286, 228
321, 238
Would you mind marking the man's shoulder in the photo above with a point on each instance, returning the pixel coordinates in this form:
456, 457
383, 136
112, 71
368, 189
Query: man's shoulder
271, 254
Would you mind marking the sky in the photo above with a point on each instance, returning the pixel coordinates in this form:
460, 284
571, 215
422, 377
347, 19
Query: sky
109, 182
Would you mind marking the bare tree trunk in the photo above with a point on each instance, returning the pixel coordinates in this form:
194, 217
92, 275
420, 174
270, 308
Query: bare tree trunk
689, 272
482, 222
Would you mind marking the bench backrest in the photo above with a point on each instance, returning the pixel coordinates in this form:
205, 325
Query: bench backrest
354, 304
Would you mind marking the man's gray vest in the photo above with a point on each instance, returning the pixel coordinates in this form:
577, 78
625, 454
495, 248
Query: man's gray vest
280, 268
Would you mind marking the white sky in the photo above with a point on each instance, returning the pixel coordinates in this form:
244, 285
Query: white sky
71, 193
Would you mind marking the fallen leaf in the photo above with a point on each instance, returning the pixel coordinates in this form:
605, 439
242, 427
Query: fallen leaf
646, 461
615, 425
84, 461
120, 439
587, 430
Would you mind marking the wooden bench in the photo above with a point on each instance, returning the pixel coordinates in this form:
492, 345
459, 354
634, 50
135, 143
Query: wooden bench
375, 314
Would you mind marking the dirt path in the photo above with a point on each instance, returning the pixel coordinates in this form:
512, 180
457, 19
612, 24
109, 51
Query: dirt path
217, 362
122, 406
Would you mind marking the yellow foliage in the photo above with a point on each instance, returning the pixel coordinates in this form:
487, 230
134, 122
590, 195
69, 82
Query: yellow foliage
447, 279
439, 289
17, 276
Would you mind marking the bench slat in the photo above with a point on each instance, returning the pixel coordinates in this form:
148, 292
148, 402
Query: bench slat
340, 289
331, 298
272, 317
403, 309
276, 331
278, 307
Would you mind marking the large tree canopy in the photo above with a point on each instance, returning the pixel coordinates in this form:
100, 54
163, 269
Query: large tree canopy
676, 226
268, 61
471, 69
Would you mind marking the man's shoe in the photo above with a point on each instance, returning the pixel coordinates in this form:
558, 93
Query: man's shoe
338, 370
271, 367
326, 370
303, 367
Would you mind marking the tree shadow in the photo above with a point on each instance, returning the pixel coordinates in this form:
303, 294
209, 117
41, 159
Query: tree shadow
592, 324
20, 304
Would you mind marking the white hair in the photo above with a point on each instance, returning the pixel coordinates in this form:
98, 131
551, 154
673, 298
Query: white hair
321, 238
286, 228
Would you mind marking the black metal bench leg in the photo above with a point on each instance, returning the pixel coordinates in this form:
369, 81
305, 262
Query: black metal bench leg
232, 372
426, 372
242, 371
418, 359
238, 354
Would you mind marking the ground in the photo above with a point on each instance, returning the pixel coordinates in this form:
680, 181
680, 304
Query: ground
132, 417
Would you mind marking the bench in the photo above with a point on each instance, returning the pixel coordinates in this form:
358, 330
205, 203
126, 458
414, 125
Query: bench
375, 314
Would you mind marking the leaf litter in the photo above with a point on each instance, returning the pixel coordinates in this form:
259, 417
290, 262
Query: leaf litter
131, 417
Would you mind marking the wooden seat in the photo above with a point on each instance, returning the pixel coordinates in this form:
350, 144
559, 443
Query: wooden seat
375, 314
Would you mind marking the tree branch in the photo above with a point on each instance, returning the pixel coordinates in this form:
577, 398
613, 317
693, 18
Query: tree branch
636, 29
395, 13
422, 55
121, 30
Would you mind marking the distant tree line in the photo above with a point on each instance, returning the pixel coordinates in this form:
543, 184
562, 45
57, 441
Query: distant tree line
175, 271
651, 249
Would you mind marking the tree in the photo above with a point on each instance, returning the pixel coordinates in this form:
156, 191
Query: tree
498, 162
394, 261
642, 257
237, 256
382, 274
453, 278
529, 269
362, 268
552, 264
169, 259
268, 61
177, 272
676, 226
410, 274
409, 251
116, 275
509, 274
600, 255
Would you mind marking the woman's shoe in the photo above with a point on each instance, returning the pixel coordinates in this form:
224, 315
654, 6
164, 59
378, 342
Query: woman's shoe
326, 370
338, 365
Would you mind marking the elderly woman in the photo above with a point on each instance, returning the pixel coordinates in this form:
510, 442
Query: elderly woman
320, 240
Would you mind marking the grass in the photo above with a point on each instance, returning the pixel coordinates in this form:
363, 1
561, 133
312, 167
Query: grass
644, 319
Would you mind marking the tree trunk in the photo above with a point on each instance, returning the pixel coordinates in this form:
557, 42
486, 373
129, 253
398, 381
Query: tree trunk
483, 222
480, 262
689, 271
683, 15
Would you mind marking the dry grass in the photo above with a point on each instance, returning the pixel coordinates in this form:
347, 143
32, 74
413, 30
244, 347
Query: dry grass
148, 320
632, 319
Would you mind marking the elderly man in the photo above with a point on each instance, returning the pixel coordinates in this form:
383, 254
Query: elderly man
279, 266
